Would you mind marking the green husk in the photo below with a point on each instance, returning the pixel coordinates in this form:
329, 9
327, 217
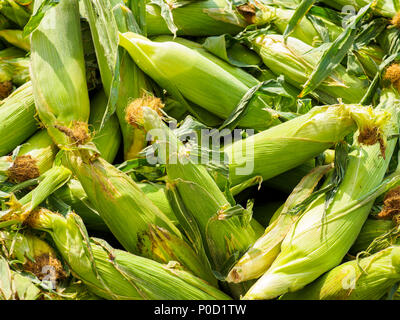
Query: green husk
361, 279
222, 228
34, 254
296, 61
330, 225
186, 74
371, 230
196, 18
125, 276
58, 74
306, 136
264, 251
30, 160
106, 19
133, 219
17, 111
76, 198
35, 270
15, 38
106, 139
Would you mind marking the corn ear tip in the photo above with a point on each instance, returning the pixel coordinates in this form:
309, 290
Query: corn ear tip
134, 111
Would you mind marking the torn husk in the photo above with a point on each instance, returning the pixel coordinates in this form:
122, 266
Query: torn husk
133, 113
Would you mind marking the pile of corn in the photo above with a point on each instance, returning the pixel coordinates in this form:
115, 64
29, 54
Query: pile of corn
203, 149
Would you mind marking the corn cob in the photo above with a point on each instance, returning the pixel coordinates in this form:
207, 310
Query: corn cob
73, 195
133, 219
17, 111
32, 159
324, 234
384, 8
306, 136
37, 272
61, 97
296, 61
370, 56
107, 139
34, 254
15, 71
185, 72
15, 38
125, 276
362, 279
15, 286
222, 237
